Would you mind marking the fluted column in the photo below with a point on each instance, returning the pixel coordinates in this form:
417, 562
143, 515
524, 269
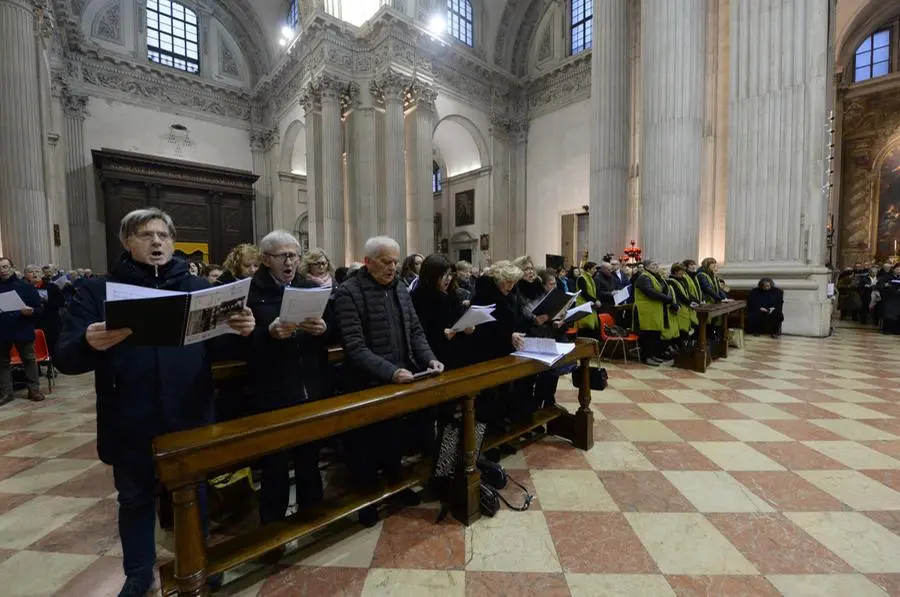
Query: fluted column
75, 110
610, 130
391, 87
24, 216
261, 142
311, 102
419, 168
332, 172
673, 43
364, 153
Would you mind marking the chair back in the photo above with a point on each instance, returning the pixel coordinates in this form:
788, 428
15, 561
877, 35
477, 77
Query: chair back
14, 358
41, 352
605, 320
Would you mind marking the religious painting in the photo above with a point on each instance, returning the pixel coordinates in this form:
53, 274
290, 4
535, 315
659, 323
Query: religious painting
465, 208
889, 204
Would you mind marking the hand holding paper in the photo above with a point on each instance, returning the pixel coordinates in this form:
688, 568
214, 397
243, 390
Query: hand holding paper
300, 304
473, 317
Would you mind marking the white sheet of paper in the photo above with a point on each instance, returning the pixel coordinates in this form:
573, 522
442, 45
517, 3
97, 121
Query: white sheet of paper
210, 309
539, 345
124, 292
44, 293
829, 290
558, 351
473, 317
11, 301
620, 296
300, 304
582, 308
61, 282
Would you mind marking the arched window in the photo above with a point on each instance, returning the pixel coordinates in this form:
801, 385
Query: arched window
873, 56
173, 35
435, 178
582, 25
460, 23
293, 16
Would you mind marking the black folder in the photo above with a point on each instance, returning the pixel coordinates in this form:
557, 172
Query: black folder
160, 321
553, 303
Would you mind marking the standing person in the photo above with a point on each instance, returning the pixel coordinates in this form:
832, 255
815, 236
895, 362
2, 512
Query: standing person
606, 283
687, 294
656, 306
410, 270
765, 309
242, 262
464, 276
707, 277
866, 283
316, 267
438, 309
52, 300
889, 289
212, 273
622, 280
142, 391
589, 325
17, 329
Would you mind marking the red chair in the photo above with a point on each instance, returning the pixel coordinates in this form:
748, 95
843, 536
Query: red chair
41, 355
606, 320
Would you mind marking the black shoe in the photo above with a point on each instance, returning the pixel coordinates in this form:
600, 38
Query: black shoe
137, 586
368, 516
215, 581
409, 498
540, 430
507, 449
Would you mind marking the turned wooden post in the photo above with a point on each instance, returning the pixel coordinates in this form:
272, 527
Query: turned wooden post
584, 417
702, 349
190, 544
466, 505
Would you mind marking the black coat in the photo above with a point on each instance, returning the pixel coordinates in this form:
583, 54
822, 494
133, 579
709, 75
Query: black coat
889, 288
283, 372
764, 299
142, 391
361, 309
438, 311
49, 320
606, 285
493, 340
15, 327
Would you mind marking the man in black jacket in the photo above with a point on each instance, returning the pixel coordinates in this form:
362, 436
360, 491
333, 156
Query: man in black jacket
52, 300
17, 329
288, 365
606, 283
142, 391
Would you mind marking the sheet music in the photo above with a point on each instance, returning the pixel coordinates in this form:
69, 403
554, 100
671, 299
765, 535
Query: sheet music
474, 316
300, 304
622, 295
210, 309
61, 281
558, 351
585, 308
124, 292
44, 294
539, 345
11, 301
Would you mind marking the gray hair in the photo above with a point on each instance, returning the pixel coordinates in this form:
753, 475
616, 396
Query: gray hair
277, 238
505, 271
28, 268
137, 218
376, 244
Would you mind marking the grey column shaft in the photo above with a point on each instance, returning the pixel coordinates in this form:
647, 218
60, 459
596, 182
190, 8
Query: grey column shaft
313, 175
76, 180
365, 154
419, 163
263, 189
395, 175
610, 83
24, 217
332, 177
673, 43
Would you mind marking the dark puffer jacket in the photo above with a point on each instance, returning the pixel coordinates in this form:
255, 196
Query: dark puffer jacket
493, 340
142, 391
362, 310
15, 327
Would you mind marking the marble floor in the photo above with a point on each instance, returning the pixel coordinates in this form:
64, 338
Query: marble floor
775, 473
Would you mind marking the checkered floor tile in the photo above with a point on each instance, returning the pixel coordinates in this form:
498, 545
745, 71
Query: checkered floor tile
775, 473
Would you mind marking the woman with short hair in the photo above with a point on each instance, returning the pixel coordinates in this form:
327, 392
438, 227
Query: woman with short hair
316, 267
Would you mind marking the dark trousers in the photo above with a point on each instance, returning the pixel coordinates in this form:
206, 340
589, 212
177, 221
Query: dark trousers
136, 486
276, 483
651, 344
765, 323
545, 388
376, 447
26, 352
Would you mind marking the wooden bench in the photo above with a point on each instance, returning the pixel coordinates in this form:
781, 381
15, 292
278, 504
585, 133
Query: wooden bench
184, 460
701, 357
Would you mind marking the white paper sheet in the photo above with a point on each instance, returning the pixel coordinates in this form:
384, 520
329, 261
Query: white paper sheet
582, 308
11, 301
622, 295
558, 350
210, 309
474, 316
44, 294
61, 281
300, 304
124, 292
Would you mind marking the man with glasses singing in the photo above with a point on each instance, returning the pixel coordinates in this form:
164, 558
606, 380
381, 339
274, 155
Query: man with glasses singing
142, 391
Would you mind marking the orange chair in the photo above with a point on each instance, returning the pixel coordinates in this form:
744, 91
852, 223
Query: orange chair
41, 355
606, 320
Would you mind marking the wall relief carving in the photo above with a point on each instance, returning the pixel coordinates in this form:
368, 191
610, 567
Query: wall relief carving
108, 23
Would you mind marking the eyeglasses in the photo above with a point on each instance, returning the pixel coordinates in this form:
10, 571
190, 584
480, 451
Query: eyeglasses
283, 257
149, 235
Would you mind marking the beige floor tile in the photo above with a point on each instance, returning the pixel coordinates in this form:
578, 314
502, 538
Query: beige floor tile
54, 446
852, 396
769, 396
34, 574
762, 412
850, 384
619, 585
646, 431
354, 549
716, 491
776, 384
854, 489
718, 373
688, 396
854, 430
854, 455
45, 475
750, 431
512, 542
609, 396
22, 526
617, 456
580, 491
698, 383
849, 410
647, 374
669, 412
861, 542
9, 413
414, 583
784, 374
62, 423
625, 383
688, 544
736, 456
850, 374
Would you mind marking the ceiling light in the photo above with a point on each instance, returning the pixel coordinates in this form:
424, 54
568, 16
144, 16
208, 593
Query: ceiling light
437, 25
287, 32
282, 42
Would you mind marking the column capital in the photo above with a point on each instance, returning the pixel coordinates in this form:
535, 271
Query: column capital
43, 19
74, 104
311, 99
263, 139
421, 95
515, 129
391, 85
330, 88
350, 98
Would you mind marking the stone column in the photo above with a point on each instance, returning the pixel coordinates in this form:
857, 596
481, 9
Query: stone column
24, 216
312, 104
518, 205
333, 231
634, 153
419, 164
365, 156
392, 87
777, 150
673, 44
609, 128
74, 108
261, 142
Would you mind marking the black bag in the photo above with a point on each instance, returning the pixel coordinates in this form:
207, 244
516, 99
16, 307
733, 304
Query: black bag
615, 331
492, 473
599, 378
494, 478
490, 500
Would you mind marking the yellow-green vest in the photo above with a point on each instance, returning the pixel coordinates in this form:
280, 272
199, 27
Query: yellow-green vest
713, 281
652, 313
591, 322
686, 316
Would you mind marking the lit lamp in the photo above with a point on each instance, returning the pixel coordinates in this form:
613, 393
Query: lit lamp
633, 253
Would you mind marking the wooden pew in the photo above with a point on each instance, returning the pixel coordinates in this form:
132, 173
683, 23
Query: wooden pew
184, 460
701, 357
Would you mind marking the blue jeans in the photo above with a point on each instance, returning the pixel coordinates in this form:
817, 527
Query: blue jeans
136, 486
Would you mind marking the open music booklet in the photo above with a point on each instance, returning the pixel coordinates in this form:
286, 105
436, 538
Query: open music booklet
555, 303
474, 316
168, 318
545, 350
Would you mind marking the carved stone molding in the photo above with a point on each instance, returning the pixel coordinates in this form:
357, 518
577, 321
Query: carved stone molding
568, 83
74, 104
349, 98
228, 64
107, 24
512, 129
311, 99
263, 140
390, 85
421, 95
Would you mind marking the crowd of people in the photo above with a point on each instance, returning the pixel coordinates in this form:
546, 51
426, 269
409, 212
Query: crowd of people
871, 295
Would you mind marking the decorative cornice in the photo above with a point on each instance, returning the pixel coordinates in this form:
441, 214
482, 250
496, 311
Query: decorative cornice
421, 95
568, 83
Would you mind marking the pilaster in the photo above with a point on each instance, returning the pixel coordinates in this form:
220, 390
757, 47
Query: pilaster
261, 143
312, 106
419, 159
74, 112
390, 89
364, 152
333, 229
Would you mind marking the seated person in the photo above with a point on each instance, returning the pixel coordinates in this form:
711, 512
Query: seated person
656, 308
288, 365
142, 391
707, 278
383, 343
764, 309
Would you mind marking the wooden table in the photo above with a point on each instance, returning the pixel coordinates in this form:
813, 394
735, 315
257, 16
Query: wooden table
701, 357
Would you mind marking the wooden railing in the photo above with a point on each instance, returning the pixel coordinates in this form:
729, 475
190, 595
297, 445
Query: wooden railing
184, 460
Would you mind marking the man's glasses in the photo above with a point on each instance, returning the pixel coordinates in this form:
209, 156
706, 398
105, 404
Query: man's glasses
149, 235
283, 257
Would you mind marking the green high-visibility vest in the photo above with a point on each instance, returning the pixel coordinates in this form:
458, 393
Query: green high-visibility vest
591, 322
686, 316
653, 315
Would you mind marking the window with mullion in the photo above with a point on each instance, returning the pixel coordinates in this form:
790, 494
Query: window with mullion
873, 56
173, 35
293, 17
435, 178
461, 24
582, 26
